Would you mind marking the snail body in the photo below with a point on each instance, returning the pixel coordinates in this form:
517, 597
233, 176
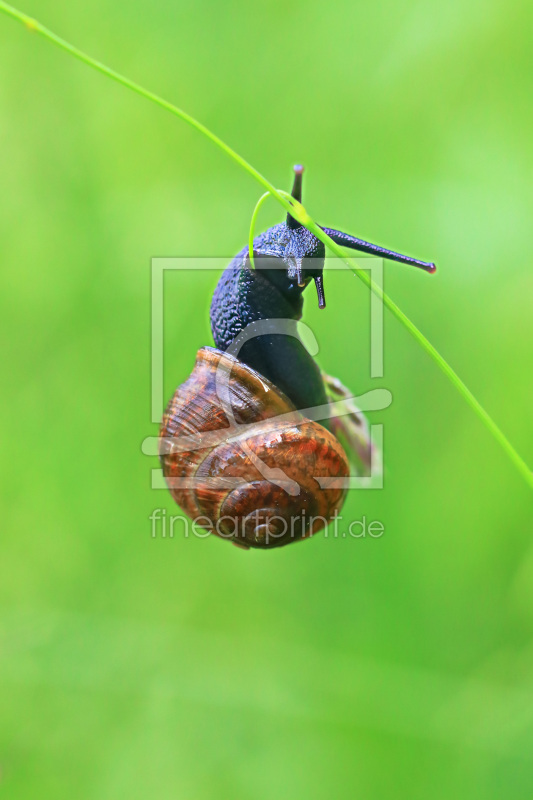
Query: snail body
238, 448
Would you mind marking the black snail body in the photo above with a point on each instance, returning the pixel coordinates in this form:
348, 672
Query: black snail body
238, 455
245, 296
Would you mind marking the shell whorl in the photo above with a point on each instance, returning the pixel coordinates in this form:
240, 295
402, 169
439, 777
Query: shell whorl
242, 461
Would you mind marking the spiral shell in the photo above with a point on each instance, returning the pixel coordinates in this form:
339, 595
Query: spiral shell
242, 462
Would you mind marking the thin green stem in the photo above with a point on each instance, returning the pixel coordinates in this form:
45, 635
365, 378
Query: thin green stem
252, 227
35, 26
296, 210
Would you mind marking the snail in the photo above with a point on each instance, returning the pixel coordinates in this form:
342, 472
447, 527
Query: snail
248, 446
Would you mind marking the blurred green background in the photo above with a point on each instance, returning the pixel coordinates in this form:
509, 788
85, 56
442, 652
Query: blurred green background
130, 666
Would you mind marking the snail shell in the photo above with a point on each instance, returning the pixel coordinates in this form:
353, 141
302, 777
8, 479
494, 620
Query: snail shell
242, 461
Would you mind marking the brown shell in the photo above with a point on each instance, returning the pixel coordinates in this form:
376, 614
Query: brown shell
240, 459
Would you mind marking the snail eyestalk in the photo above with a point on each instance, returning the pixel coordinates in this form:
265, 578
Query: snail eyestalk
297, 194
353, 243
319, 283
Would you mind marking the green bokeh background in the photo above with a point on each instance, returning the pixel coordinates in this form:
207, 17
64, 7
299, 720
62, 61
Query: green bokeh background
390, 668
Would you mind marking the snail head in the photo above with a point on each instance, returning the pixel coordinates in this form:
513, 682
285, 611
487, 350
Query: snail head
302, 254
305, 254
